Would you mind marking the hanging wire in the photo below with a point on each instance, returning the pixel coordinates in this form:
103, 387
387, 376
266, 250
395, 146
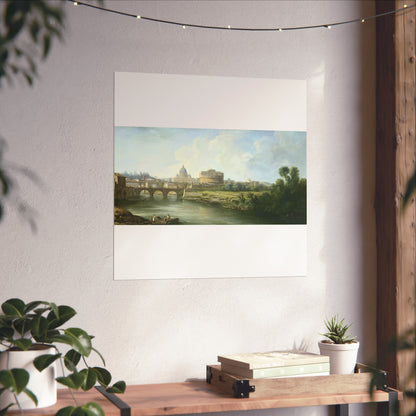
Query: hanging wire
244, 29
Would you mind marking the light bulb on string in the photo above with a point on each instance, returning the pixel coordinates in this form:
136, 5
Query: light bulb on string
405, 9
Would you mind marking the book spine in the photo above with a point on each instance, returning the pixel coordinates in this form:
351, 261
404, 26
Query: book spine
293, 370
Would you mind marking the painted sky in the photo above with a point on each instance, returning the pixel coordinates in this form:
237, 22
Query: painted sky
240, 154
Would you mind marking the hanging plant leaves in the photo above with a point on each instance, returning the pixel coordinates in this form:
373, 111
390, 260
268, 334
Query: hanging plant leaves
78, 339
73, 381
90, 379
103, 375
39, 327
14, 380
59, 315
31, 395
88, 409
22, 343
13, 307
71, 359
4, 411
45, 360
117, 388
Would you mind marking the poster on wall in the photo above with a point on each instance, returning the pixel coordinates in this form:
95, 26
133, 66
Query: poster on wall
209, 177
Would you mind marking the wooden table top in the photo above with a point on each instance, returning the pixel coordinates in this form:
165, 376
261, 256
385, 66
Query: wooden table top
199, 397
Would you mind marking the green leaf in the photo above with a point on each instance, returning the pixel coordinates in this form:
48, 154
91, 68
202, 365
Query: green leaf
410, 188
119, 387
6, 332
103, 376
78, 339
22, 325
39, 327
4, 411
22, 343
93, 409
14, 380
65, 411
88, 409
31, 396
98, 353
28, 78
15, 28
34, 30
13, 307
71, 360
73, 381
90, 379
44, 361
46, 45
59, 315
54, 309
33, 305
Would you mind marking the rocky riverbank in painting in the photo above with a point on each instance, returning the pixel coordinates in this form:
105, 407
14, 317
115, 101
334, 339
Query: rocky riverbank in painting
124, 217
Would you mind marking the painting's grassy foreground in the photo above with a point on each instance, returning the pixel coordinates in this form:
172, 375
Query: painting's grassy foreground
227, 199
284, 201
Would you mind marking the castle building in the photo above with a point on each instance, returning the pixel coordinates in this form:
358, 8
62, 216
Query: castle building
211, 177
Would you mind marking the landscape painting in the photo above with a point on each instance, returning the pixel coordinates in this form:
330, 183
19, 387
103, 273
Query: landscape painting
209, 177
188, 176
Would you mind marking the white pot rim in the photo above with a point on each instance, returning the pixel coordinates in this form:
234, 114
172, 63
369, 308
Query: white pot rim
339, 347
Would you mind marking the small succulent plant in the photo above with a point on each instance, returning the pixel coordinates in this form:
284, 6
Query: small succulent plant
337, 331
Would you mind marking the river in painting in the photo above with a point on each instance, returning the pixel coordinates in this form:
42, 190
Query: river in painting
189, 212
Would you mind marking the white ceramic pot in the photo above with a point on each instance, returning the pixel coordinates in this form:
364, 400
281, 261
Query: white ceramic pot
342, 357
42, 384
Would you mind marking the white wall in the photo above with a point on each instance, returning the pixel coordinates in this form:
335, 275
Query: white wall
62, 130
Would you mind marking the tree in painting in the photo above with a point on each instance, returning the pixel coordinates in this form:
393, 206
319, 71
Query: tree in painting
286, 200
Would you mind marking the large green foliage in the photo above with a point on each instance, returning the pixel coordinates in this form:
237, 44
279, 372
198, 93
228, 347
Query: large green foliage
28, 29
286, 200
24, 325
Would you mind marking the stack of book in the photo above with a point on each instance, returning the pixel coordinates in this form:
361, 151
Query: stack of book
275, 364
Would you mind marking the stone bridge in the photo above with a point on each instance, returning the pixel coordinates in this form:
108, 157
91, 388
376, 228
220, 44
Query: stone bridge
165, 189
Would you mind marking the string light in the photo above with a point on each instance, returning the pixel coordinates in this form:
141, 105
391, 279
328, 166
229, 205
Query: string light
246, 29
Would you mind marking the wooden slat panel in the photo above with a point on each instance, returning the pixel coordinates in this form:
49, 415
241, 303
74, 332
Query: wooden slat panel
405, 162
395, 156
386, 188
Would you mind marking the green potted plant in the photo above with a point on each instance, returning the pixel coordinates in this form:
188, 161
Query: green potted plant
34, 331
340, 346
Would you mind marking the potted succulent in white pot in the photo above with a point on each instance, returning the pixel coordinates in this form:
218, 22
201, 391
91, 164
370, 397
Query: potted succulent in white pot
31, 336
341, 347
